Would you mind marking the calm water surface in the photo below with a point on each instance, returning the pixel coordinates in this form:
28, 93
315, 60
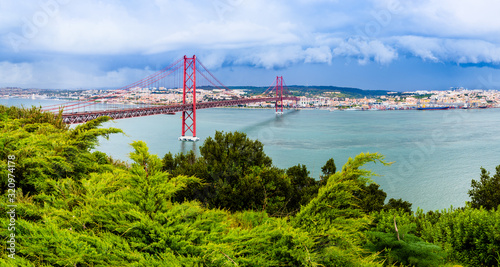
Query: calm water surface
435, 153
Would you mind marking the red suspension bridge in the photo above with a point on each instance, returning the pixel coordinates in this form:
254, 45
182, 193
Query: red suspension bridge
187, 73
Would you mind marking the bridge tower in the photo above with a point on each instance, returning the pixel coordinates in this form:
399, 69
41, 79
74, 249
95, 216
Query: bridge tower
189, 92
279, 95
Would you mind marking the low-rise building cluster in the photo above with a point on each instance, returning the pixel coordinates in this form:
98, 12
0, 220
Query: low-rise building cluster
455, 98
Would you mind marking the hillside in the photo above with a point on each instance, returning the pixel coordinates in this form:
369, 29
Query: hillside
334, 91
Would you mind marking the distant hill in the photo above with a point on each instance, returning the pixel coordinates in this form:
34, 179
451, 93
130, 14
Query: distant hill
335, 91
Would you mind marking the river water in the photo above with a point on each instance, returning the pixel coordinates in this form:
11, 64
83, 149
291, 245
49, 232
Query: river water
436, 154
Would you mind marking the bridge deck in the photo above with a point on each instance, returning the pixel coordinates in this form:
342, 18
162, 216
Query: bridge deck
81, 117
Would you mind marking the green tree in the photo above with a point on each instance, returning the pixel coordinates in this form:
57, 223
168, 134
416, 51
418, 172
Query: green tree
486, 192
187, 164
469, 235
228, 157
151, 188
237, 175
233, 152
370, 197
304, 188
228, 161
398, 204
33, 115
407, 251
263, 188
45, 149
333, 215
395, 238
168, 163
328, 169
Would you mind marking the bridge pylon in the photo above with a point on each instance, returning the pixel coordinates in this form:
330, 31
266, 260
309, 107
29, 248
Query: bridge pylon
279, 95
189, 93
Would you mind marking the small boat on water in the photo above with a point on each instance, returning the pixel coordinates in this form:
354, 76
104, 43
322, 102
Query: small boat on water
433, 108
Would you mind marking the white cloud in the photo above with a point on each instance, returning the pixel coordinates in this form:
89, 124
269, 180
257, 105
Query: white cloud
281, 57
96, 27
425, 48
452, 18
273, 57
53, 74
267, 34
158, 26
452, 50
213, 60
366, 51
13, 74
322, 54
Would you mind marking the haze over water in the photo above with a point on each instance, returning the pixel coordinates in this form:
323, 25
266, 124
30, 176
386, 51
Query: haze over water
436, 153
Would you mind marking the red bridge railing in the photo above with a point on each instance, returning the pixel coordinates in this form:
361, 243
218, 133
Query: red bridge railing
81, 117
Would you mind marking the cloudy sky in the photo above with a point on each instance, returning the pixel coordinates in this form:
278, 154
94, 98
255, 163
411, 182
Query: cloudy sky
370, 44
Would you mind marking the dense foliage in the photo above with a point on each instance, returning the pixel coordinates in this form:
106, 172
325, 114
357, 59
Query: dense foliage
471, 236
237, 176
486, 191
394, 236
78, 208
46, 151
227, 207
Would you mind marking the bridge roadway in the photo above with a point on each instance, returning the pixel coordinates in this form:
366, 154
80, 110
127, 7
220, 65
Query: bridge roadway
81, 117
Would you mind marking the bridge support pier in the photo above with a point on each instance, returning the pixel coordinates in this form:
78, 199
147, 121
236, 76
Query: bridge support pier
189, 138
189, 91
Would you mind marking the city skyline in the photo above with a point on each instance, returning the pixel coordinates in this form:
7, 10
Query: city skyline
385, 44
